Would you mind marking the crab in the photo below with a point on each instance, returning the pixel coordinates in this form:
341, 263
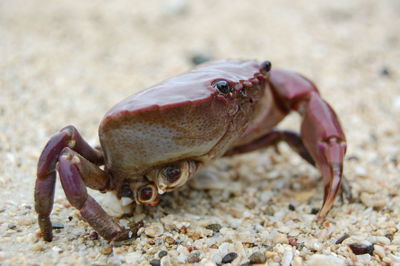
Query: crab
156, 140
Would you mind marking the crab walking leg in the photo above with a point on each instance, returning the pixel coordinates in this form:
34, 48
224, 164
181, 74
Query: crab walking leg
46, 174
321, 132
69, 167
273, 138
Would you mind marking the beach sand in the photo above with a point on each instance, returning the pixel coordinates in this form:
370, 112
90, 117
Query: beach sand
68, 62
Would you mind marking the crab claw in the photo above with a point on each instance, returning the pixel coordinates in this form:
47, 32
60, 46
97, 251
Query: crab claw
331, 168
326, 142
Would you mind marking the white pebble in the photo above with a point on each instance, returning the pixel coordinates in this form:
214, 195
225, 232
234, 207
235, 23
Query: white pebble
379, 250
364, 258
379, 240
176, 7
154, 230
326, 260
57, 249
313, 244
133, 258
361, 171
225, 247
287, 258
397, 102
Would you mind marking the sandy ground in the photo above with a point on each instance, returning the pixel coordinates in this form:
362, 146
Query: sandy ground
67, 62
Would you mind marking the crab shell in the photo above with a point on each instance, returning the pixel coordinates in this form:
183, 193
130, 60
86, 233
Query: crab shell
185, 117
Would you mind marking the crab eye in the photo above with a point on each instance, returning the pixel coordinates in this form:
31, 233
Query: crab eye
266, 65
172, 173
147, 195
223, 86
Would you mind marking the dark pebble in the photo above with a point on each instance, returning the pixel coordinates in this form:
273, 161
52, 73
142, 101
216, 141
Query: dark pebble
70, 218
300, 246
353, 158
360, 249
193, 257
12, 226
214, 227
228, 258
291, 207
162, 253
390, 236
155, 262
199, 59
57, 226
257, 258
342, 238
29, 207
314, 211
385, 71
270, 211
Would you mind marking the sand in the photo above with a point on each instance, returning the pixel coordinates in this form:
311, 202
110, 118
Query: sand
67, 62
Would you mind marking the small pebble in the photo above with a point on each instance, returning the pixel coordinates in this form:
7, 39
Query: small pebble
270, 211
25, 221
385, 71
176, 7
360, 249
325, 260
291, 207
107, 251
314, 211
292, 241
162, 253
379, 250
57, 226
214, 227
199, 59
57, 249
12, 226
154, 230
353, 158
155, 262
342, 238
389, 236
193, 257
228, 258
169, 240
257, 258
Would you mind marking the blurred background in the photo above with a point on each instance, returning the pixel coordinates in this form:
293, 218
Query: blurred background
68, 62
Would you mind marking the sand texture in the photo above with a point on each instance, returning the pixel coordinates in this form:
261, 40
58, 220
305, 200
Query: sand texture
68, 62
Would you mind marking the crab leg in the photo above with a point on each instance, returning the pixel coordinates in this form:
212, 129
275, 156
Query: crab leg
72, 169
321, 132
273, 138
46, 174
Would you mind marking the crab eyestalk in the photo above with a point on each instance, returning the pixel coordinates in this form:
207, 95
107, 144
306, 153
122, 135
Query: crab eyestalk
173, 176
147, 195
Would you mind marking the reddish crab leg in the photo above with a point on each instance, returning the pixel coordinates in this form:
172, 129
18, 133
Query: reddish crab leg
321, 132
273, 138
69, 166
46, 174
